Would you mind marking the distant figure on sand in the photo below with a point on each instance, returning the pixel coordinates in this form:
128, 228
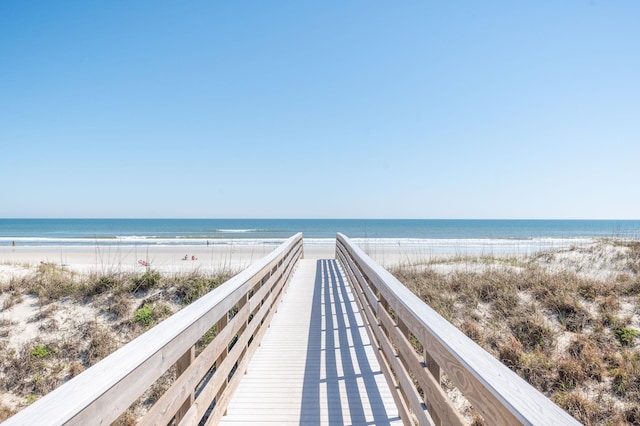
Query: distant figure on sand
185, 257
13, 243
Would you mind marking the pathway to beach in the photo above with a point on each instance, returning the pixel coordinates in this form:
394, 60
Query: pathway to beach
316, 364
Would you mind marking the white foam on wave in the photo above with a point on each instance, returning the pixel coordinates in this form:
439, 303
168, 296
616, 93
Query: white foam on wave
403, 245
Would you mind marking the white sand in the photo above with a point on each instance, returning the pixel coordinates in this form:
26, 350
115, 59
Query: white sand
17, 261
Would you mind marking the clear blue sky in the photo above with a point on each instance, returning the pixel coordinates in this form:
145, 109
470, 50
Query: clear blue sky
324, 109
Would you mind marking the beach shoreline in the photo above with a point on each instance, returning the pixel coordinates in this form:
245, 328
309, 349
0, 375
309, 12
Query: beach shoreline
238, 254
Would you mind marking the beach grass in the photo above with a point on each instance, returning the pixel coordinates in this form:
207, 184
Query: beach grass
78, 319
553, 319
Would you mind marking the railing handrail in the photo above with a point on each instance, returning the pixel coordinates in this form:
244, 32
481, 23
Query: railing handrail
498, 393
102, 392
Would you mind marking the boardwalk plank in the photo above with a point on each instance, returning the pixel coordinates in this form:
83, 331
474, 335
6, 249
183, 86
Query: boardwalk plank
315, 364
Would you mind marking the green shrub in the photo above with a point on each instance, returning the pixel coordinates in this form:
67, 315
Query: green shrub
151, 313
40, 351
144, 316
626, 335
145, 282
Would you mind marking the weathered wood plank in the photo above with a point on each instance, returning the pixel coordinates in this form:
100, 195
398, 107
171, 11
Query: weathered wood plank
314, 351
498, 393
101, 393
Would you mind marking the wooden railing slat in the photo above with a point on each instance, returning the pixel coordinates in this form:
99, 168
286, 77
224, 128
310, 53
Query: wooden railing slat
501, 396
101, 393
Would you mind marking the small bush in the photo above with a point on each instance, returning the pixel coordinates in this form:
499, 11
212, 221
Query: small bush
151, 313
532, 332
570, 312
146, 282
6, 412
119, 305
626, 335
144, 316
99, 286
588, 355
472, 330
570, 374
40, 351
101, 342
539, 370
625, 374
51, 283
510, 353
577, 405
12, 299
192, 288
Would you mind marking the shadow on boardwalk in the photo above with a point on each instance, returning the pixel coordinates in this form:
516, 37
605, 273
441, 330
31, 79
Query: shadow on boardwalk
341, 372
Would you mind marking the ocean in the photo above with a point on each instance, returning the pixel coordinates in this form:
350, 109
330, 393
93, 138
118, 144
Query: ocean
433, 235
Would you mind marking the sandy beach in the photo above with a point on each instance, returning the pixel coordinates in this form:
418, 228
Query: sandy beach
182, 259
163, 259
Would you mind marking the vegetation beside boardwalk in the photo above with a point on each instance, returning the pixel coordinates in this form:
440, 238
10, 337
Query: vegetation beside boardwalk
574, 337
567, 321
121, 307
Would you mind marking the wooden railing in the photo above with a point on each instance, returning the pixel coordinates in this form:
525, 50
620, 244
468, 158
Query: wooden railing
398, 322
240, 309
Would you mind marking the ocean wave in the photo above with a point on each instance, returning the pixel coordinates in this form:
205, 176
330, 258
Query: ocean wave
236, 231
415, 245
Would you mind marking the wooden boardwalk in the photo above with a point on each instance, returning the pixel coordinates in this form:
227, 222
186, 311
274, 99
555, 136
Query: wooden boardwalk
315, 364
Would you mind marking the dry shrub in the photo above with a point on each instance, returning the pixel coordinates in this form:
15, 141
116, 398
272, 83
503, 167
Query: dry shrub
510, 353
12, 298
532, 331
433, 288
588, 355
539, 370
75, 368
128, 418
101, 342
632, 414
51, 283
625, 374
478, 421
6, 412
520, 329
49, 326
33, 370
97, 285
506, 304
472, 330
44, 312
570, 312
579, 406
146, 281
570, 374
119, 305
191, 287
608, 308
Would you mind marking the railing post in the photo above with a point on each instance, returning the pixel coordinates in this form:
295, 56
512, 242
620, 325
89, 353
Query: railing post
434, 369
222, 323
181, 365
241, 303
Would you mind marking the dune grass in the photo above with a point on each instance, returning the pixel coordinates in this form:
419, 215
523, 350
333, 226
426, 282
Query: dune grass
573, 337
124, 305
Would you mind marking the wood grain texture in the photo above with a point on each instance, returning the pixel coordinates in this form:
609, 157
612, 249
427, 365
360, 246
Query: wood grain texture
315, 364
499, 394
101, 393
